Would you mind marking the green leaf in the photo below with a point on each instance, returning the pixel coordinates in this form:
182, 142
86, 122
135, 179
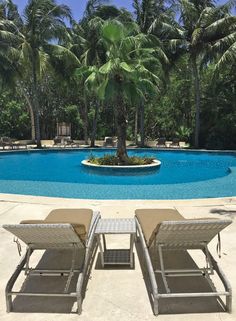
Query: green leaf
126, 67
113, 31
102, 89
111, 90
106, 68
91, 78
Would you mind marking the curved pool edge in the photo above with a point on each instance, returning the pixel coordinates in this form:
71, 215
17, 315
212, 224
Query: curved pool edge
52, 201
56, 149
155, 164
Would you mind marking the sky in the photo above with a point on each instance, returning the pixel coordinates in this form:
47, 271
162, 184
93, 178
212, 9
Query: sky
78, 6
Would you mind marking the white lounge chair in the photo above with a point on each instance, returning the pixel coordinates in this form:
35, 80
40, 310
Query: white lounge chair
161, 230
70, 229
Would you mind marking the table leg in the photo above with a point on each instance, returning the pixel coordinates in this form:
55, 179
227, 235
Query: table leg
101, 249
132, 237
104, 242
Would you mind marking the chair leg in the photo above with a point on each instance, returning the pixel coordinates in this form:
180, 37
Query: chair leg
13, 279
8, 302
79, 305
71, 273
156, 306
163, 274
229, 303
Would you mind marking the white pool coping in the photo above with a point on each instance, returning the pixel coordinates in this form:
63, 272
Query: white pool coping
155, 163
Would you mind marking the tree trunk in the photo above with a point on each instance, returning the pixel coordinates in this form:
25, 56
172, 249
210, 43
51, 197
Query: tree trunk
142, 132
121, 131
94, 129
36, 101
197, 92
85, 120
31, 111
136, 127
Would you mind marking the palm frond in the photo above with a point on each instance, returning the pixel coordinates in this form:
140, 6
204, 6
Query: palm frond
227, 59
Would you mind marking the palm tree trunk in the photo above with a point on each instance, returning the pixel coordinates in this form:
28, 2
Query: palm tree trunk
36, 101
197, 92
95, 120
136, 127
30, 109
85, 119
121, 131
142, 132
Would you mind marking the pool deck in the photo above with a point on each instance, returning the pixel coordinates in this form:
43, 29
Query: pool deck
114, 294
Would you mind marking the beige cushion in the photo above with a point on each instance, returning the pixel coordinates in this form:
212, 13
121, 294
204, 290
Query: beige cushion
80, 219
32, 222
150, 220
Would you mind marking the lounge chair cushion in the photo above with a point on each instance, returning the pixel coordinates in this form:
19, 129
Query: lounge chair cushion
151, 219
32, 222
80, 219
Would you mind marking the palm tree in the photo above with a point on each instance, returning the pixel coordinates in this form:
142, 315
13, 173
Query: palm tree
125, 79
92, 6
35, 39
146, 12
86, 44
202, 29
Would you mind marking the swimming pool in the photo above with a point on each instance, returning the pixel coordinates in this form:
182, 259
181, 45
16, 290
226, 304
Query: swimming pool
183, 175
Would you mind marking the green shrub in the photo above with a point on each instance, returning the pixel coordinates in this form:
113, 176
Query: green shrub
113, 160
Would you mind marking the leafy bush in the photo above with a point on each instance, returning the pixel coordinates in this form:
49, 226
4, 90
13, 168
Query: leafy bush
113, 160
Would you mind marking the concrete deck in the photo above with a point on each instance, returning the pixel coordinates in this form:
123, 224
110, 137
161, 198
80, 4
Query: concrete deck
114, 294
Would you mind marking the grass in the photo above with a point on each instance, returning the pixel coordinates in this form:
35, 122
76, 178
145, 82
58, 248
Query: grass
113, 160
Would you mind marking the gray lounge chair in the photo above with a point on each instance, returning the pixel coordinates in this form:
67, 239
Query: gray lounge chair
65, 141
70, 229
161, 142
161, 230
109, 142
175, 142
58, 142
8, 142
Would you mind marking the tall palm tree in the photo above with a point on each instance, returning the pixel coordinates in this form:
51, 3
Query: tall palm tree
202, 29
86, 44
35, 39
146, 11
92, 6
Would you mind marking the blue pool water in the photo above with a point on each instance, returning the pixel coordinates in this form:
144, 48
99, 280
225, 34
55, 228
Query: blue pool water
183, 175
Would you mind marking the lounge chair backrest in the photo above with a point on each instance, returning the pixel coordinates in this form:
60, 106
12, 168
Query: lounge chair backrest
189, 233
108, 141
161, 140
45, 235
6, 140
57, 140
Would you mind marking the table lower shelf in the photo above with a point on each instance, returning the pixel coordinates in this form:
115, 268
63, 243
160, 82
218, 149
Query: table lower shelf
117, 257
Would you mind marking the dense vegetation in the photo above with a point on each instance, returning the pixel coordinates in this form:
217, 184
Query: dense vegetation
166, 70
114, 160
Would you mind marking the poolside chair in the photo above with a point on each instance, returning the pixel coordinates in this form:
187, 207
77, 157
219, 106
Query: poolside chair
161, 230
109, 142
70, 229
175, 142
58, 142
6, 142
161, 142
69, 142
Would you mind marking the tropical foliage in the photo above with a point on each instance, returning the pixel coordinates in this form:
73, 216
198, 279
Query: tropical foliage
114, 160
167, 70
